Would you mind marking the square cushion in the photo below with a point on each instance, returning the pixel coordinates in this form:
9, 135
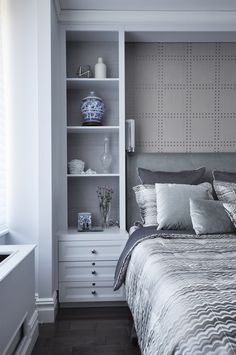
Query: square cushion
173, 204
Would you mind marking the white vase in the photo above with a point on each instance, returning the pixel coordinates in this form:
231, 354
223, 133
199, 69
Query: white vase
100, 69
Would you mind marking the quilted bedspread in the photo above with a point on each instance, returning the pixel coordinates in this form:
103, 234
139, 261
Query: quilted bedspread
181, 290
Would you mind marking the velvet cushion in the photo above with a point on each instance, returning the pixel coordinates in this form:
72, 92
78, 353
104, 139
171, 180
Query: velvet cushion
173, 204
189, 177
209, 217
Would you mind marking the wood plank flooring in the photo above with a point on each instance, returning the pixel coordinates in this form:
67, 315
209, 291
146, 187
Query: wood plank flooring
87, 331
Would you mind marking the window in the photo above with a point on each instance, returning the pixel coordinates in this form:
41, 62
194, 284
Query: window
3, 223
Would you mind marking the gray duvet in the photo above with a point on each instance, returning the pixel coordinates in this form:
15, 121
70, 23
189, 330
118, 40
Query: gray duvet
181, 290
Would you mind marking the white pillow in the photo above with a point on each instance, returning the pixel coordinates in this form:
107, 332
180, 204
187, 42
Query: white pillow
173, 204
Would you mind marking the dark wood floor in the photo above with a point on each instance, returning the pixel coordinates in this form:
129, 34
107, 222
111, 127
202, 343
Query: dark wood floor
87, 331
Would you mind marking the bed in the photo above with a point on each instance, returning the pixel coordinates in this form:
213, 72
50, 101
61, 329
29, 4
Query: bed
181, 290
180, 274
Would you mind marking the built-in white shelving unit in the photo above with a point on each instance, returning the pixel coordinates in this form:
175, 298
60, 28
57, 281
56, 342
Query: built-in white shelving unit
87, 260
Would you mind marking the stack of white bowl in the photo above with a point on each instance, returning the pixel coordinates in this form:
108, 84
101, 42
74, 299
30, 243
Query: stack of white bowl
76, 166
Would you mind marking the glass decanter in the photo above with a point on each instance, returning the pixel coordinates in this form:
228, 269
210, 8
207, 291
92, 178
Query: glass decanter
106, 158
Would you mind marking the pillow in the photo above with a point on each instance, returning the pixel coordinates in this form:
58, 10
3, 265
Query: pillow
225, 191
209, 217
189, 177
173, 204
230, 209
224, 176
146, 199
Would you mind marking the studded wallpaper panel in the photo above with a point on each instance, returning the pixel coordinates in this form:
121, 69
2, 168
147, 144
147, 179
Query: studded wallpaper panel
182, 96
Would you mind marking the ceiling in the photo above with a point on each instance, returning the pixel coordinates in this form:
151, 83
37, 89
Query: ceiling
148, 5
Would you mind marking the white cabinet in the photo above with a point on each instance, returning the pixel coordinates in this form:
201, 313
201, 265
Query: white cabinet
87, 265
87, 260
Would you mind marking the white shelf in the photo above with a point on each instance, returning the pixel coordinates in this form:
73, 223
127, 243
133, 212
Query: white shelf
112, 232
87, 83
92, 129
92, 175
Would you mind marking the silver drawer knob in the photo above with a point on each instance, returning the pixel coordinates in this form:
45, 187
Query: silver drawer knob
94, 292
93, 272
93, 263
93, 251
94, 284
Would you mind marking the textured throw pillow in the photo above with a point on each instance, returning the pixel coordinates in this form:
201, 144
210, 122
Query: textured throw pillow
189, 177
225, 191
146, 199
230, 208
224, 176
209, 217
173, 204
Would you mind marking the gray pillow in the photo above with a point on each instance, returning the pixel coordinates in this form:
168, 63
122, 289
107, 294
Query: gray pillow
209, 217
189, 177
230, 209
146, 199
225, 191
224, 176
173, 204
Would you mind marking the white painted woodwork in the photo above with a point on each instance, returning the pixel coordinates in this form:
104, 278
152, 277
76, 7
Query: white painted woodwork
17, 303
90, 251
87, 292
152, 5
87, 263
92, 129
87, 270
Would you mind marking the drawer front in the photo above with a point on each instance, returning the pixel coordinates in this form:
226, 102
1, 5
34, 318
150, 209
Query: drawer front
86, 251
87, 271
89, 292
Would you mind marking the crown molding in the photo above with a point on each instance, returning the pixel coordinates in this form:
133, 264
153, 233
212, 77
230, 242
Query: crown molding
158, 20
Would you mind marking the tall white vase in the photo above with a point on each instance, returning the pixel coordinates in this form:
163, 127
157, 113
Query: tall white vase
100, 69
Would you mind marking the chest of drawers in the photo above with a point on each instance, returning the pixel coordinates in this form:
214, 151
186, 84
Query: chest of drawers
87, 263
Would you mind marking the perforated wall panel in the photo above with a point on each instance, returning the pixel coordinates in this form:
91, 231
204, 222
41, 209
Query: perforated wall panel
182, 96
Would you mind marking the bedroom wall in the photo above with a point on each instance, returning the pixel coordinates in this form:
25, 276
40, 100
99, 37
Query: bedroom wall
182, 96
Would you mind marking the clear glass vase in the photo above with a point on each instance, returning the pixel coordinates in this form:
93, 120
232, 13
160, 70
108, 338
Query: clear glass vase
105, 211
106, 158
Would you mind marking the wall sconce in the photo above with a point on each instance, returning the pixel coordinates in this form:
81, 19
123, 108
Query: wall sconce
130, 136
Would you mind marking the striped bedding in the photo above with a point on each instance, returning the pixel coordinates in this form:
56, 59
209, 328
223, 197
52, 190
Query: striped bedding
181, 290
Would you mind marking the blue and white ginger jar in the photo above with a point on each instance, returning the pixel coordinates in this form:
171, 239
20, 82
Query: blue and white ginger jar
92, 109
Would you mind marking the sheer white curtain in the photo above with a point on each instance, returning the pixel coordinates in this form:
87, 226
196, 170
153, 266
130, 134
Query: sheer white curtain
3, 222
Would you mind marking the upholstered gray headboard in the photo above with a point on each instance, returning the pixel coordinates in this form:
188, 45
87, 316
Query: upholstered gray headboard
171, 162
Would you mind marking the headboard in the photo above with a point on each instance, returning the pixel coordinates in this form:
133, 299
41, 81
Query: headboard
171, 162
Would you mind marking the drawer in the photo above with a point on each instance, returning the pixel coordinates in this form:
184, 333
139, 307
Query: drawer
89, 292
87, 270
86, 251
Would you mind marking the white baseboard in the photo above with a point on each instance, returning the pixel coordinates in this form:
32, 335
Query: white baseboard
47, 308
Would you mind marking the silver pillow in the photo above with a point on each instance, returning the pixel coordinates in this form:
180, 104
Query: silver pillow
146, 199
173, 204
209, 217
225, 191
230, 209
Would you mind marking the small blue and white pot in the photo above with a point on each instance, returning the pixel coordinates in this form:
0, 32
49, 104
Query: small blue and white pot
92, 109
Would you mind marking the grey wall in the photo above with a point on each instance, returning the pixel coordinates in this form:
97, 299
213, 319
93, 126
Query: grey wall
182, 96
171, 162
